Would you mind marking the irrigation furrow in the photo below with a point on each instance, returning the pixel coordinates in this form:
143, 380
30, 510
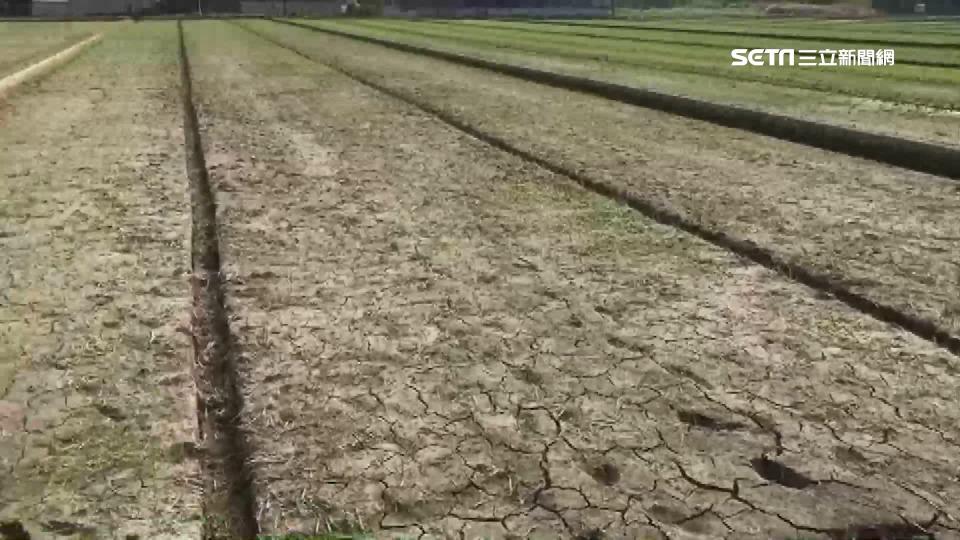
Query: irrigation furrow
926, 329
228, 492
909, 154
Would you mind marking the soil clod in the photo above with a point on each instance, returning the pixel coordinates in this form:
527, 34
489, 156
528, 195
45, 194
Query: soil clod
701, 420
606, 473
779, 473
13, 530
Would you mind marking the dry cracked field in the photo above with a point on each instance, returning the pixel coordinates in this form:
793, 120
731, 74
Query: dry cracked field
96, 398
435, 337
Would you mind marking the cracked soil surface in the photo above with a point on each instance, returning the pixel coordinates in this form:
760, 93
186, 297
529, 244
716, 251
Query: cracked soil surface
879, 230
96, 396
440, 340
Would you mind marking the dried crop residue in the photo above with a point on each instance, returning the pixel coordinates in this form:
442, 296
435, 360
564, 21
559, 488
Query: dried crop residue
443, 339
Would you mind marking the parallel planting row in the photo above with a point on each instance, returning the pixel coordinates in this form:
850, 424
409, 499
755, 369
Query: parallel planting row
465, 344
902, 32
944, 53
909, 100
409, 318
912, 84
843, 216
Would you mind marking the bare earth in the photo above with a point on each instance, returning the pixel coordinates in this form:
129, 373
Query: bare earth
880, 230
439, 340
96, 397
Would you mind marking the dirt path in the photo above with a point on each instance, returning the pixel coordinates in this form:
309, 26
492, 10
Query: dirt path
440, 340
879, 230
96, 401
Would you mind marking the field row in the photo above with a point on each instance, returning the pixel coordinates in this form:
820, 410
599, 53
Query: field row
940, 33
858, 234
717, 46
915, 84
436, 338
498, 351
876, 99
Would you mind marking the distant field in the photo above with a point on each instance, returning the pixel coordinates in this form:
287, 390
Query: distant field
689, 13
931, 49
918, 85
23, 44
816, 28
911, 100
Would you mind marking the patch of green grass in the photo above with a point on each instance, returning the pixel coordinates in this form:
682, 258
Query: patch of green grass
881, 116
916, 85
816, 29
706, 40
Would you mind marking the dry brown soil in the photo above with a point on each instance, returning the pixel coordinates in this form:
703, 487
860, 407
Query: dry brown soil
882, 231
96, 400
440, 340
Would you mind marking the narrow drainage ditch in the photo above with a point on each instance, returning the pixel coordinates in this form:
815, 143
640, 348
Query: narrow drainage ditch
228, 500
